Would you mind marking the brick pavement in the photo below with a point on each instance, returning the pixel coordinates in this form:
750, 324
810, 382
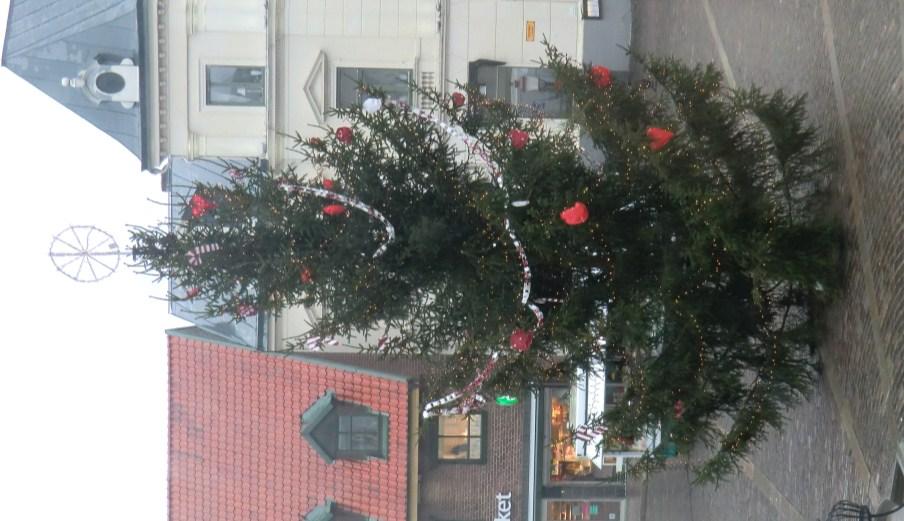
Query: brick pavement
848, 56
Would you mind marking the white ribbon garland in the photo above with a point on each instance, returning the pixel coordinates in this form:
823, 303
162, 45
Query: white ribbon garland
474, 145
333, 196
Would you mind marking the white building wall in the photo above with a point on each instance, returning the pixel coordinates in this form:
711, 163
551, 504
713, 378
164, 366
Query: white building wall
316, 37
212, 32
497, 30
308, 41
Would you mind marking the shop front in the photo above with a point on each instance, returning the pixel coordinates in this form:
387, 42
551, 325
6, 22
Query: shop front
575, 480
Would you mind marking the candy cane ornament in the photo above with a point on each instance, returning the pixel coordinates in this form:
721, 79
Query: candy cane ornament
195, 254
354, 203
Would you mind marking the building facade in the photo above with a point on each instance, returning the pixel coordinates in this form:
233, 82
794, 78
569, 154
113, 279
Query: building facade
258, 434
261, 435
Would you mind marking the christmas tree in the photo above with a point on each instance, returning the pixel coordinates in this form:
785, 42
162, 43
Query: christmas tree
696, 256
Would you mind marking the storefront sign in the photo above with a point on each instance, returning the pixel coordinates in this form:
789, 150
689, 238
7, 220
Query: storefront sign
506, 400
531, 31
503, 506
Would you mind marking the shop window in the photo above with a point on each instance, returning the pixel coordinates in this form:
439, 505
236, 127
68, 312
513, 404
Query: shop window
583, 510
563, 461
532, 89
351, 82
461, 438
235, 85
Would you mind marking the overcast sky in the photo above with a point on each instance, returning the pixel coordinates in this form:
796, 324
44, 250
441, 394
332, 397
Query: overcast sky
83, 410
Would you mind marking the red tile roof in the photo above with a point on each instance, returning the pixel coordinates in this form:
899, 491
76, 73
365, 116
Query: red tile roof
235, 446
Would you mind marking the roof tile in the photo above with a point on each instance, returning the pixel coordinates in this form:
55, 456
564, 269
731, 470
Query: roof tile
236, 450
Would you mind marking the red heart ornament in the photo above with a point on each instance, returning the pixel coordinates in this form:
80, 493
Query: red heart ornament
200, 205
576, 214
334, 209
458, 99
519, 138
659, 138
600, 76
344, 135
521, 340
305, 276
192, 293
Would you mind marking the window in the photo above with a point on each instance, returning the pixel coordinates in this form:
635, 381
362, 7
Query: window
395, 84
460, 437
532, 89
235, 85
344, 430
360, 435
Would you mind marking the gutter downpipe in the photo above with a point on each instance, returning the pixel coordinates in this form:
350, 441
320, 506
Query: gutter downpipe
414, 407
532, 459
443, 11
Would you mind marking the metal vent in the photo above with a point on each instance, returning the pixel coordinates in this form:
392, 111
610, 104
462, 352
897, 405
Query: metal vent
427, 81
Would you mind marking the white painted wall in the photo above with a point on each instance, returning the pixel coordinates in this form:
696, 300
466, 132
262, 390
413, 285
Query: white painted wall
316, 37
496, 30
212, 32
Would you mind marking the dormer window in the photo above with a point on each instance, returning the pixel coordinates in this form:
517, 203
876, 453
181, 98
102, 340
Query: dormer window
360, 435
338, 429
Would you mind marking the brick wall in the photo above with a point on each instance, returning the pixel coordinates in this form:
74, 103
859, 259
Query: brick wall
467, 491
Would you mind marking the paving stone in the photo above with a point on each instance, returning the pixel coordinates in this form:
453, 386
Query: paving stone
780, 44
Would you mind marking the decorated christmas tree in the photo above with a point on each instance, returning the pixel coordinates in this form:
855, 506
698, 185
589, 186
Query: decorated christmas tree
695, 256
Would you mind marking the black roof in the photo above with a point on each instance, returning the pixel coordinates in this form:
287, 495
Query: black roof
47, 40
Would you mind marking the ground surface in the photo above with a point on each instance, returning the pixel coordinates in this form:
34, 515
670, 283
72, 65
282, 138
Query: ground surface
848, 55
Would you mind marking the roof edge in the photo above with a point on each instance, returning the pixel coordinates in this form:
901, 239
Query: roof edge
196, 333
333, 364
143, 97
9, 18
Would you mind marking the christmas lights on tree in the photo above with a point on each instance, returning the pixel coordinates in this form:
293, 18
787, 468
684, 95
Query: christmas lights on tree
699, 249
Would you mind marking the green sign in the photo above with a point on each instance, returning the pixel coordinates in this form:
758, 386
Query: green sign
506, 400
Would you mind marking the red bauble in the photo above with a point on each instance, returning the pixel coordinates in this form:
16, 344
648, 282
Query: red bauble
344, 135
601, 76
305, 276
334, 209
521, 340
200, 205
679, 409
191, 293
519, 138
328, 184
576, 214
659, 138
458, 99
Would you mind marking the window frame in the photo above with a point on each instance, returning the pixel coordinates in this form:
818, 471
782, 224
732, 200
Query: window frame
496, 69
381, 427
359, 80
208, 84
482, 436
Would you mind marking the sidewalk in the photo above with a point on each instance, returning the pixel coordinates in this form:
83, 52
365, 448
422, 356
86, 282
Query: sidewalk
848, 56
